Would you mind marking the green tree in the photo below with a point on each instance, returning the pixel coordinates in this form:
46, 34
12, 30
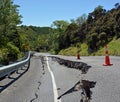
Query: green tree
27, 36
56, 34
9, 19
71, 35
82, 19
93, 42
102, 39
79, 20
117, 5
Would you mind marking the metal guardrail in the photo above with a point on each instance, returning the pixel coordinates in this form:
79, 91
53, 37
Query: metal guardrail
6, 70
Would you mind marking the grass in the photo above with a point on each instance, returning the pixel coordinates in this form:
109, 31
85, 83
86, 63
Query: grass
113, 48
72, 51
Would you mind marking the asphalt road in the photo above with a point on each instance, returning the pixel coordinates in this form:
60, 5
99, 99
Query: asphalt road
47, 80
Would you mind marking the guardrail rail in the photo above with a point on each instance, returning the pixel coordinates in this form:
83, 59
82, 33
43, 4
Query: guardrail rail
7, 70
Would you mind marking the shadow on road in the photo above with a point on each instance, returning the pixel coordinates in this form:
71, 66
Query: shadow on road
2, 88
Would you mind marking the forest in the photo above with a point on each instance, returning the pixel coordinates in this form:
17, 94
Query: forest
87, 34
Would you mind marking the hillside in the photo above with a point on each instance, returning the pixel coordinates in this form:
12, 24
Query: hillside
100, 28
113, 48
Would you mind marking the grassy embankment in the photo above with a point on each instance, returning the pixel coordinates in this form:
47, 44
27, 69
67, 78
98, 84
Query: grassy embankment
113, 48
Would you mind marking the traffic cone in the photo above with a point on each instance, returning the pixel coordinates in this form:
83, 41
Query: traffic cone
107, 59
78, 55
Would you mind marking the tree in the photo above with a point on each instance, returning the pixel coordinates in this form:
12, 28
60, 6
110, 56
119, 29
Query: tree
9, 37
93, 41
98, 12
117, 5
70, 35
61, 25
82, 19
117, 25
28, 36
72, 20
57, 31
79, 20
9, 19
102, 38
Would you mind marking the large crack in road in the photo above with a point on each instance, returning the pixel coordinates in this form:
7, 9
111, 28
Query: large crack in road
83, 85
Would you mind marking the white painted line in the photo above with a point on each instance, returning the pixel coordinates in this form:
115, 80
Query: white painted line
54, 83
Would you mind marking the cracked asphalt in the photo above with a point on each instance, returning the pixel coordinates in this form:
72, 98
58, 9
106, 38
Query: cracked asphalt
36, 84
26, 88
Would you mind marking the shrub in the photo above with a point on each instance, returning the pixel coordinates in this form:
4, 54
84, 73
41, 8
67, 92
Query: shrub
3, 56
13, 52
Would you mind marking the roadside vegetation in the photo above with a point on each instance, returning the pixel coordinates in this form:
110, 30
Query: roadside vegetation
87, 34
113, 48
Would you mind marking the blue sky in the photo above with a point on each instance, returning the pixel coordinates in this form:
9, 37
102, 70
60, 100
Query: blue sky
44, 12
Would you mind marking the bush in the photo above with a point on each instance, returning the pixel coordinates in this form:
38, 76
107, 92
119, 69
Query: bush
71, 51
113, 48
13, 52
3, 56
84, 49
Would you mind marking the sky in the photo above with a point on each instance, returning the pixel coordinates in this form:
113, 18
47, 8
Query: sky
44, 12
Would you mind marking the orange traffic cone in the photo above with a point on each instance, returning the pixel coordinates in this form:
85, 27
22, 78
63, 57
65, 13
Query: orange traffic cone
107, 59
78, 56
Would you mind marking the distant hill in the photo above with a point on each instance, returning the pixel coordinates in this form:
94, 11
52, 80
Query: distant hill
40, 30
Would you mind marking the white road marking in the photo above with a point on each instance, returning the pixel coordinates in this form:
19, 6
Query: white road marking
54, 83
